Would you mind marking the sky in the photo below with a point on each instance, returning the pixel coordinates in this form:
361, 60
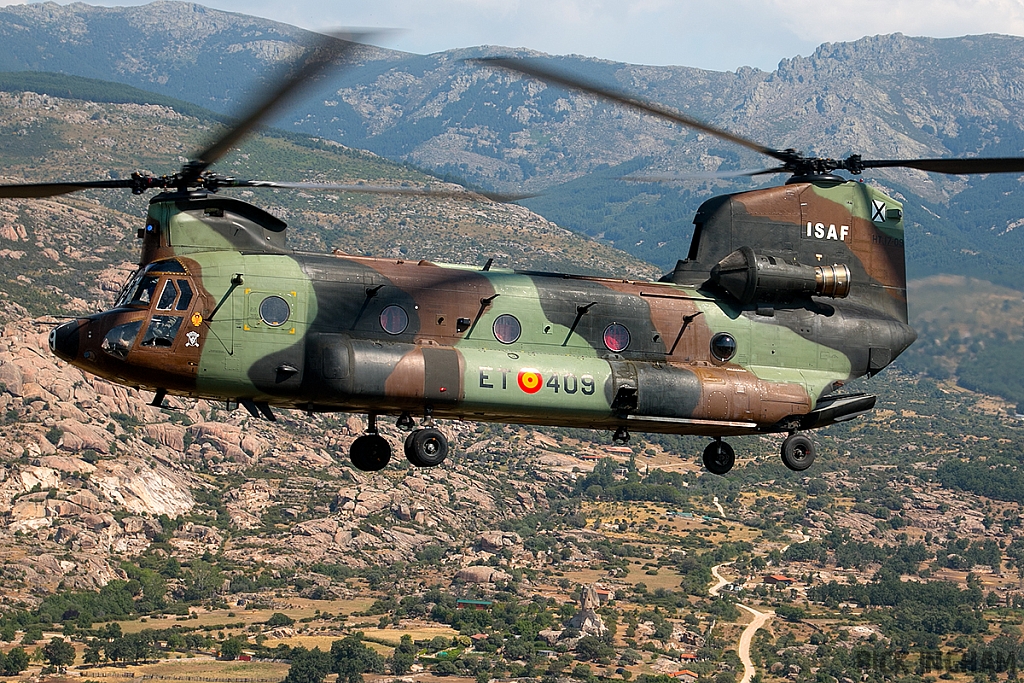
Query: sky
717, 34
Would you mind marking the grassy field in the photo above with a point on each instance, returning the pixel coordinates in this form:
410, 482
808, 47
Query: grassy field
176, 669
296, 608
389, 635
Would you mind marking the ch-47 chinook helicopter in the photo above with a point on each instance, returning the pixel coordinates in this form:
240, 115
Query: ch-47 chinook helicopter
786, 294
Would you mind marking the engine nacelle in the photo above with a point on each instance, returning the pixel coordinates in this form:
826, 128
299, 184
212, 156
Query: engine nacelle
750, 277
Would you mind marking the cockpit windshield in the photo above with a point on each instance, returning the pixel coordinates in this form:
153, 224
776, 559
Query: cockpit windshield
144, 292
141, 287
128, 289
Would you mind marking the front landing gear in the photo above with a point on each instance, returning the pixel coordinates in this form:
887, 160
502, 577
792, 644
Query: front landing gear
719, 457
426, 447
370, 452
798, 452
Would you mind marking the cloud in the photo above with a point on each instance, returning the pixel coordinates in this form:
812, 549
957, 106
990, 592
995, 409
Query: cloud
830, 22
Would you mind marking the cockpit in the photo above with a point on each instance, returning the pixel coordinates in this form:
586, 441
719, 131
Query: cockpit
162, 287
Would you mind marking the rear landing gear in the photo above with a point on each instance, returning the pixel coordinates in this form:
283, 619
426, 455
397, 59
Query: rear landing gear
426, 447
798, 452
719, 457
370, 452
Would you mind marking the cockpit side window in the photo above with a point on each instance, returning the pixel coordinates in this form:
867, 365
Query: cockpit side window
162, 331
186, 296
167, 297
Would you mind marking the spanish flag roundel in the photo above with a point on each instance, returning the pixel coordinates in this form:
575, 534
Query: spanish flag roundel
530, 381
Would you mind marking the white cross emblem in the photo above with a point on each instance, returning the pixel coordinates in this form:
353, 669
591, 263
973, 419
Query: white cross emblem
192, 339
877, 211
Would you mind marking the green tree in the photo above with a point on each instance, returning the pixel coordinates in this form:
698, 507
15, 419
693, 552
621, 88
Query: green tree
15, 662
592, 648
308, 666
93, 653
59, 653
131, 647
279, 619
33, 633
202, 581
403, 657
352, 659
232, 647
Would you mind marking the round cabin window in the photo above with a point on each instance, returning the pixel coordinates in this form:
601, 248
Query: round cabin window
394, 319
723, 346
616, 337
275, 311
507, 329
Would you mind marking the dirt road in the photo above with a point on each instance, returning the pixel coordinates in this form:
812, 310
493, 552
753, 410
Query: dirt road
747, 637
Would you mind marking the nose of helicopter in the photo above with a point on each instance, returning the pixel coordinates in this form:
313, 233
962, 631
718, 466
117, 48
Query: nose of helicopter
64, 339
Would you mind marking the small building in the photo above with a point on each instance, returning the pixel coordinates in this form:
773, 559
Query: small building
604, 596
779, 580
462, 603
589, 457
685, 676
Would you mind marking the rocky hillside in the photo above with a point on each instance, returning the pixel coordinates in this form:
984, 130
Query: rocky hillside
66, 252
89, 472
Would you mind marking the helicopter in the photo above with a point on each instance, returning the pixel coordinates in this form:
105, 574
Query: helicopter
786, 294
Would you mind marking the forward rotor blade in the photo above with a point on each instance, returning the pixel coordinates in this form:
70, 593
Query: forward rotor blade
952, 166
532, 68
325, 51
442, 192
702, 176
39, 190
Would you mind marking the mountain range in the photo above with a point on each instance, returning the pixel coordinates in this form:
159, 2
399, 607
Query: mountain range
888, 96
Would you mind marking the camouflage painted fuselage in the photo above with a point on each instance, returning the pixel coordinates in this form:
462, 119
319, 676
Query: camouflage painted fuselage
345, 333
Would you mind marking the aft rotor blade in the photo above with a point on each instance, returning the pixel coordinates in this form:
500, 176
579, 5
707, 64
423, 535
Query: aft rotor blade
437, 192
952, 166
39, 190
714, 175
532, 68
325, 51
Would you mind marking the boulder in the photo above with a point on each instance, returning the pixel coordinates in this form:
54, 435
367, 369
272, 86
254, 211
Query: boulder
88, 436
43, 477
87, 501
10, 377
494, 541
67, 464
167, 434
481, 574
316, 526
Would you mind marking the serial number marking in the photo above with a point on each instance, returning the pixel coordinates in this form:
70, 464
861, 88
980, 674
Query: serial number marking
886, 241
819, 231
531, 381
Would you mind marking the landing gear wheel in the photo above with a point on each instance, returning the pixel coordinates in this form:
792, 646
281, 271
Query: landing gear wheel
719, 457
370, 453
797, 452
426, 447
